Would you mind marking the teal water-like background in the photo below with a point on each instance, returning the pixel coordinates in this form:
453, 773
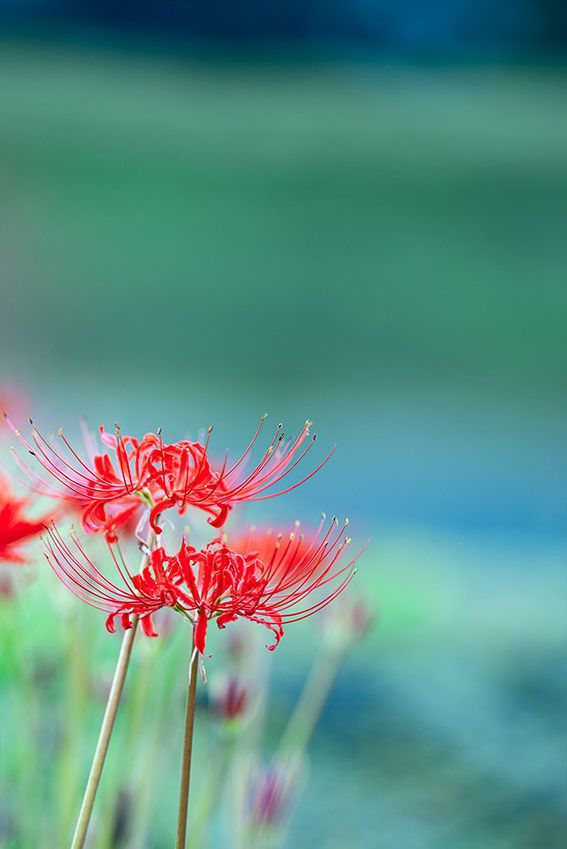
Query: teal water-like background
187, 239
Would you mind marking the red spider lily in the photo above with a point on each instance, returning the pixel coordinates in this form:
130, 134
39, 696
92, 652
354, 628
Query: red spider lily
186, 477
271, 576
110, 488
215, 583
16, 528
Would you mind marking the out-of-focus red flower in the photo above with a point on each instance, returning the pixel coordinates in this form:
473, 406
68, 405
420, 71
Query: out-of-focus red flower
109, 488
348, 622
270, 791
217, 582
15, 399
232, 699
6, 586
16, 528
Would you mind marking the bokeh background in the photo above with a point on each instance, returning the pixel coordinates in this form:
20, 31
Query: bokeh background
356, 212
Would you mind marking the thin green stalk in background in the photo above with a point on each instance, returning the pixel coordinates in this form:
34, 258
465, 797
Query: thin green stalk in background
181, 836
104, 736
311, 702
17, 651
211, 794
108, 721
143, 795
135, 744
77, 683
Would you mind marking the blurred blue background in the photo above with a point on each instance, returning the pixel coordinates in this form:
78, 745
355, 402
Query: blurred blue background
356, 212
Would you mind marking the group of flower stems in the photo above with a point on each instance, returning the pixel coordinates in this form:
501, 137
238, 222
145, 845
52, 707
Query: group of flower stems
126, 489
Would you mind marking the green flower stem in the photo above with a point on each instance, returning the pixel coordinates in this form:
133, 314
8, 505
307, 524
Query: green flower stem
181, 837
107, 724
104, 736
311, 702
143, 797
77, 684
212, 792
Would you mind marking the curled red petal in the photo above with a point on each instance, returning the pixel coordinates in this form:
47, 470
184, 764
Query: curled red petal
155, 512
218, 521
148, 626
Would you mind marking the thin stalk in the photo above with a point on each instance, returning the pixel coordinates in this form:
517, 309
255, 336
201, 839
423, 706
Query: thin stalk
311, 702
212, 792
104, 736
69, 773
107, 723
144, 796
181, 836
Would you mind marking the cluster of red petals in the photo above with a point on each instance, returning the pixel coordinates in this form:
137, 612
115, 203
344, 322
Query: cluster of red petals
267, 583
16, 529
111, 488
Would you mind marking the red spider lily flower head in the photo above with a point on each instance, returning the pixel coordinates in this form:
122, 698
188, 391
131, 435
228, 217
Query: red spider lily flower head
159, 583
266, 580
16, 529
110, 487
217, 582
189, 479
105, 488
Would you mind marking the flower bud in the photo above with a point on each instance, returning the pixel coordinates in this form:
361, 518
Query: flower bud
232, 700
348, 622
270, 796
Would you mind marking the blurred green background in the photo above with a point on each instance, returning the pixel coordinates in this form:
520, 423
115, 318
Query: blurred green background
189, 238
